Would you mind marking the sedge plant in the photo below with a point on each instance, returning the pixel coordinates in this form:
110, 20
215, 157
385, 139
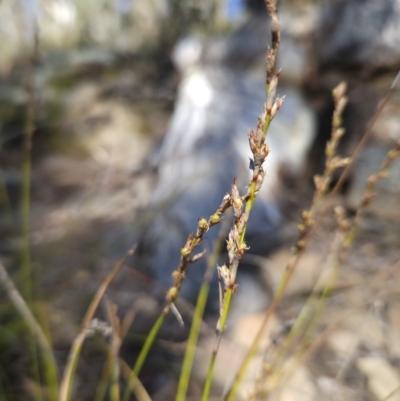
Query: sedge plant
241, 207
306, 230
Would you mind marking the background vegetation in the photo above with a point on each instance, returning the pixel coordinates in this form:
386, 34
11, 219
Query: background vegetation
86, 92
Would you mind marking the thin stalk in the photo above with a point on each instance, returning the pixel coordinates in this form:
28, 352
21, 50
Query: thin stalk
120, 329
198, 316
260, 151
69, 372
178, 275
25, 254
105, 378
249, 206
113, 350
227, 303
236, 245
326, 293
5, 201
307, 319
51, 371
360, 146
26, 187
254, 346
148, 343
192, 342
139, 391
114, 386
23, 309
222, 324
207, 385
142, 356
346, 237
297, 254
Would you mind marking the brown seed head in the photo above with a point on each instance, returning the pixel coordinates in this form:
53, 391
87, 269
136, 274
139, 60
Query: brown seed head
253, 142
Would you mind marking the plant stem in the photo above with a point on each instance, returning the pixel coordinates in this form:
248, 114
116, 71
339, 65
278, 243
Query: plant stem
25, 254
143, 355
23, 309
222, 324
198, 315
73, 357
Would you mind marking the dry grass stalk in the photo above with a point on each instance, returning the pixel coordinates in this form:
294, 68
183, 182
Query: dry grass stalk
137, 387
369, 193
178, 277
350, 227
305, 228
192, 242
242, 205
236, 245
118, 332
343, 177
67, 380
113, 366
272, 372
114, 347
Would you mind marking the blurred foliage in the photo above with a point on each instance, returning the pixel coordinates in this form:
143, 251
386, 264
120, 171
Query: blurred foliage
123, 26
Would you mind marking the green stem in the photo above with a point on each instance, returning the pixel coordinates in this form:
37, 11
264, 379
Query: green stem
249, 206
26, 272
36, 331
207, 385
267, 121
5, 202
228, 296
105, 378
192, 342
143, 355
199, 312
222, 324
114, 385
